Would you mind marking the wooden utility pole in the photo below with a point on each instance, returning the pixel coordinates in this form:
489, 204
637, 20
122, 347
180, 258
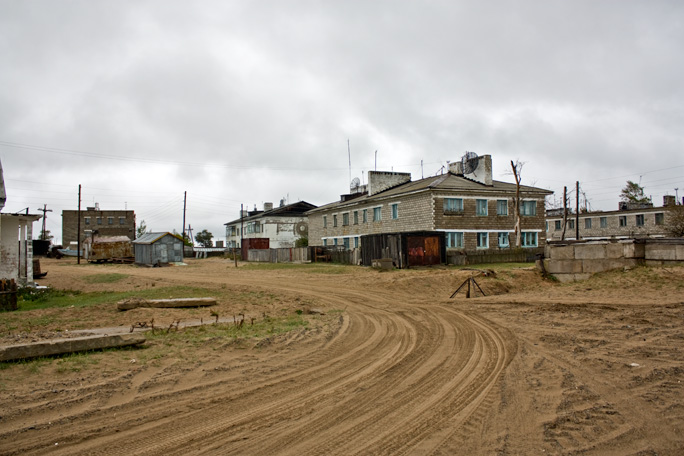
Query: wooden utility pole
185, 199
577, 211
44, 210
78, 229
565, 211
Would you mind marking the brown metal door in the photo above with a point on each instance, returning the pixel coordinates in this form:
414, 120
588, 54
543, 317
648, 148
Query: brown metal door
423, 250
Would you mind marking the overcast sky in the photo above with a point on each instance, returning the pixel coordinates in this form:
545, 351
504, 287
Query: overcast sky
254, 101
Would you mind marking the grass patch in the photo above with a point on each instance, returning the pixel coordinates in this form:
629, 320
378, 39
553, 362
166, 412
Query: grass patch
497, 266
49, 298
104, 278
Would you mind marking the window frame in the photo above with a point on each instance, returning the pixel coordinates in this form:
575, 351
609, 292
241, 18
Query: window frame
507, 237
479, 206
499, 206
603, 222
639, 220
528, 206
587, 223
345, 219
394, 211
558, 225
452, 205
523, 241
377, 214
455, 240
659, 218
482, 235
622, 221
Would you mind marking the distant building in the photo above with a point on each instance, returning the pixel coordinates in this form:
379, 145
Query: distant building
105, 222
629, 221
272, 228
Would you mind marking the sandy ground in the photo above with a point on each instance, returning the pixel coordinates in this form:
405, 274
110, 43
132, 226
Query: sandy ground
393, 367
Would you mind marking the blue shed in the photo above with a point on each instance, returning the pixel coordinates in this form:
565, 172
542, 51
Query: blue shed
158, 248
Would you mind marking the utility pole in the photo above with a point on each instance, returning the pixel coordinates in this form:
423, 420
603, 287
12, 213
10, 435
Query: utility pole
44, 210
78, 229
577, 211
242, 229
565, 211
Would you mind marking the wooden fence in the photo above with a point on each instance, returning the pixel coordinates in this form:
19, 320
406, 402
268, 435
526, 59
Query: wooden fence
283, 255
8, 294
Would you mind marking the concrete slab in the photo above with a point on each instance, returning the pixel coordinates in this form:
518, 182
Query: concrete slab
563, 266
180, 302
679, 252
62, 346
590, 251
566, 252
632, 250
660, 252
615, 251
566, 278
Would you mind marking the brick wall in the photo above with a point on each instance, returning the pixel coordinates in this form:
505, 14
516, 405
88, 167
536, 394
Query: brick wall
613, 227
70, 224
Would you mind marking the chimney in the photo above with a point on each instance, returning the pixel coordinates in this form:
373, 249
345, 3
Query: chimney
480, 171
669, 200
268, 207
379, 181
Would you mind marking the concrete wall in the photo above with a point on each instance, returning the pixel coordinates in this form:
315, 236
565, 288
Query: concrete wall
16, 247
579, 260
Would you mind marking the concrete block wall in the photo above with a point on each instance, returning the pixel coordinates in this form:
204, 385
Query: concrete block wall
578, 260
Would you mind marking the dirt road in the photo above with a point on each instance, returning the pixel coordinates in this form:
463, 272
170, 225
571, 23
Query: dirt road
394, 367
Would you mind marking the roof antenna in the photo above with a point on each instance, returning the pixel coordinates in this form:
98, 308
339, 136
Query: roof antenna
349, 152
376, 160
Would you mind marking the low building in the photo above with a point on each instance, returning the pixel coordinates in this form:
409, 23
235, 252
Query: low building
158, 249
16, 246
473, 212
105, 222
629, 221
272, 228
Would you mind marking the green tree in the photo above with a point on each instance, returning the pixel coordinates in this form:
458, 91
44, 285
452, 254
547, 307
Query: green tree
302, 242
142, 229
204, 238
633, 193
45, 236
675, 221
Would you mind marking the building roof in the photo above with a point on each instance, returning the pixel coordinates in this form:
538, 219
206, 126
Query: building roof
447, 182
151, 238
291, 210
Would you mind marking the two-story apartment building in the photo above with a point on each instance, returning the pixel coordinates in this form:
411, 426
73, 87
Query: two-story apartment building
474, 212
629, 221
271, 227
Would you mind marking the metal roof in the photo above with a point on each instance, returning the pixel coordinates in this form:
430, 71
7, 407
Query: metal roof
151, 238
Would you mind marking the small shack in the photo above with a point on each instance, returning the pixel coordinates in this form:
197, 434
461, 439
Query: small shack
418, 248
158, 248
107, 248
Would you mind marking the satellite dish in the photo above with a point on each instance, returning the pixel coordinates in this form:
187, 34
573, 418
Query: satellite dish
469, 162
302, 228
355, 183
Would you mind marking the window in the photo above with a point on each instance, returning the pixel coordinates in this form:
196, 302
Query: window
87, 220
377, 214
623, 220
325, 242
571, 224
345, 219
557, 225
659, 218
99, 220
453, 205
122, 220
502, 207
482, 240
639, 220
528, 208
365, 216
587, 223
356, 242
547, 226
395, 211
603, 222
335, 220
503, 240
325, 221
110, 220
356, 217
335, 241
481, 207
529, 239
454, 240
346, 243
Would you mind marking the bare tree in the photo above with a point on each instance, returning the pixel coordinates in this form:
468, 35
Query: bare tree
675, 222
516, 169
